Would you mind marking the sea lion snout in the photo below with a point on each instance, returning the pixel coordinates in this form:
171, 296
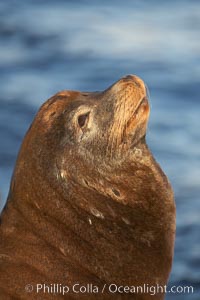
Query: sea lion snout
130, 111
132, 90
135, 80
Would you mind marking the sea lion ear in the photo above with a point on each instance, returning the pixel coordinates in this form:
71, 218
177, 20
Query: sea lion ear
56, 104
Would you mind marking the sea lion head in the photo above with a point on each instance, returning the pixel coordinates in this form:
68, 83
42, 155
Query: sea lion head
101, 124
107, 124
85, 134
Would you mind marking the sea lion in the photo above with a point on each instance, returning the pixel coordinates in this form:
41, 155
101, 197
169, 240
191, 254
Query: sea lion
89, 208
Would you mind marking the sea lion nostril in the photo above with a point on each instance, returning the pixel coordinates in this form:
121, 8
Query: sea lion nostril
134, 79
129, 77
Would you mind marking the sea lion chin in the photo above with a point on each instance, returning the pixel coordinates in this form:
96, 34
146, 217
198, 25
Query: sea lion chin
88, 203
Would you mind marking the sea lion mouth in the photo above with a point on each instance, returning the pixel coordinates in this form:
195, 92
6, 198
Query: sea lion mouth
135, 128
131, 112
143, 102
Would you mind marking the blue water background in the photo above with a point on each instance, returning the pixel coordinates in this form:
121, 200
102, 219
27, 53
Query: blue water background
47, 46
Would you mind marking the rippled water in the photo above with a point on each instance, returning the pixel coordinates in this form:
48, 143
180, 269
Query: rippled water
47, 46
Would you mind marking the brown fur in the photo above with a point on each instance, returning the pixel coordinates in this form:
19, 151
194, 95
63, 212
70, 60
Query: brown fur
88, 203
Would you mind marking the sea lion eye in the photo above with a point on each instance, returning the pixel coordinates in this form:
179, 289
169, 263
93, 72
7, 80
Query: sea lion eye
83, 119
